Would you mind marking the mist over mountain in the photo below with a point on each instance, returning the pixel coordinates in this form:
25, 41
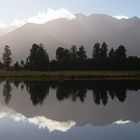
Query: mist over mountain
82, 30
2, 31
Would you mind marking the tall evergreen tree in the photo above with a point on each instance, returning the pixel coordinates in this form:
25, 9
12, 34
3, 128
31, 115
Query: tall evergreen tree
7, 59
59, 53
96, 50
120, 52
82, 53
22, 63
111, 53
103, 50
38, 58
74, 52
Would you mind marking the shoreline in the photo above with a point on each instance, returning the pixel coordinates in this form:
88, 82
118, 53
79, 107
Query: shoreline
70, 75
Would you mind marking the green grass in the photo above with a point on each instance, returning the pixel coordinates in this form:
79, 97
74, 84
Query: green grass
70, 75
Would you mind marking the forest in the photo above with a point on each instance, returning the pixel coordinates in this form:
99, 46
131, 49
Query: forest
72, 59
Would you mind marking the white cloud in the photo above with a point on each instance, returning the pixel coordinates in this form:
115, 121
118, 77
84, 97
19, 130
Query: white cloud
51, 14
40, 18
17, 23
2, 26
121, 17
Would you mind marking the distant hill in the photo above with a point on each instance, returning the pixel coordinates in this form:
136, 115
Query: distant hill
83, 30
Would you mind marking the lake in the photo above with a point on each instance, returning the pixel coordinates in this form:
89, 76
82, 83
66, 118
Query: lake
70, 110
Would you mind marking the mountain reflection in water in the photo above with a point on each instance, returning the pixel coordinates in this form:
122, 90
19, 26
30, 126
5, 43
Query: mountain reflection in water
71, 103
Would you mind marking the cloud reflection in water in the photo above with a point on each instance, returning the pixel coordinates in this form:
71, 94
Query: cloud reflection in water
40, 121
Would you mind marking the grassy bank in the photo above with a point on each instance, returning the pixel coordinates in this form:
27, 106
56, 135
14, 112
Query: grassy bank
70, 75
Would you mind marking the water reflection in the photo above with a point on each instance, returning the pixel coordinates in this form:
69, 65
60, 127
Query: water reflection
74, 90
7, 91
38, 91
70, 110
40, 121
96, 102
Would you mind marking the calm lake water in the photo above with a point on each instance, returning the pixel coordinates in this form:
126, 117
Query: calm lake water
70, 110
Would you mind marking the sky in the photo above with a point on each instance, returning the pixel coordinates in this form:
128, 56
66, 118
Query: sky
14, 10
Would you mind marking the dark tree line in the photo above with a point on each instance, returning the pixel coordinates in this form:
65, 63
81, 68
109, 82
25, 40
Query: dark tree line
73, 59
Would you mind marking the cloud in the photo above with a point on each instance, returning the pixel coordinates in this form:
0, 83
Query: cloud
121, 17
40, 121
40, 18
2, 26
17, 23
51, 14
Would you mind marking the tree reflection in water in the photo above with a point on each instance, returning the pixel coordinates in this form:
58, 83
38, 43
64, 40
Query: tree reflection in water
70, 91
74, 90
38, 91
7, 91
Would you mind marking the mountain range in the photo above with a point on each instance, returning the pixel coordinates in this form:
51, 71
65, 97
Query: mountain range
82, 30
